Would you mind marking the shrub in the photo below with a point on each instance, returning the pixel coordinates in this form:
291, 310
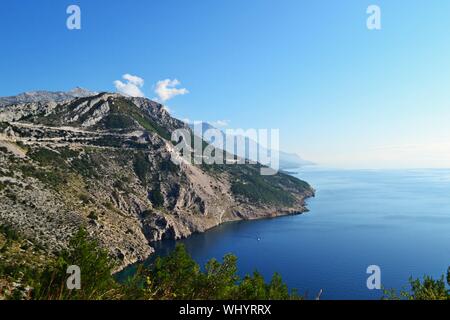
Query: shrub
96, 268
426, 289
45, 156
9, 232
84, 166
141, 166
178, 276
156, 198
118, 121
168, 166
92, 215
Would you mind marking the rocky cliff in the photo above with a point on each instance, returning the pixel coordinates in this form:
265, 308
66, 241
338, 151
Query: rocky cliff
103, 161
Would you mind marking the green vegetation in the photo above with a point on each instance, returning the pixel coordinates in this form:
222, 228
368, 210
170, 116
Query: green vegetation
118, 121
2, 186
19, 264
60, 162
426, 289
85, 198
122, 184
258, 190
9, 232
179, 277
141, 166
123, 106
46, 157
50, 157
55, 166
96, 266
156, 197
168, 166
92, 215
176, 276
248, 183
85, 166
67, 153
52, 178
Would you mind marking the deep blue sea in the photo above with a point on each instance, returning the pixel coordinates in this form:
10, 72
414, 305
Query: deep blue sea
398, 220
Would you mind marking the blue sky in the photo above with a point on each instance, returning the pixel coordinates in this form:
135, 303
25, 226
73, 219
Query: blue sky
341, 95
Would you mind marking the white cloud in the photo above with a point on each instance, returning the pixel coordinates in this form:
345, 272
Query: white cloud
132, 86
134, 79
166, 89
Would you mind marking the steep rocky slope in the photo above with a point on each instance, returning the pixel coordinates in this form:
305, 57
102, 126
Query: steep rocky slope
103, 161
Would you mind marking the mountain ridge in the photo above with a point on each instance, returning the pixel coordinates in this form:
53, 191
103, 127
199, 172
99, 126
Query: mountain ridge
103, 161
46, 96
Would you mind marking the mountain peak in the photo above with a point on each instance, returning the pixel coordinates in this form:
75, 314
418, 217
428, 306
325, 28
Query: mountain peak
81, 92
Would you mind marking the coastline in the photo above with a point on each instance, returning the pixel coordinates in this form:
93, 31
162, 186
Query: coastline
264, 216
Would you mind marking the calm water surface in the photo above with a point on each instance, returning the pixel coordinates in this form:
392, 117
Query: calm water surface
398, 220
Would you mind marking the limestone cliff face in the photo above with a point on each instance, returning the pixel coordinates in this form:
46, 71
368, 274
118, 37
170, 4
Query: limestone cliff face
103, 161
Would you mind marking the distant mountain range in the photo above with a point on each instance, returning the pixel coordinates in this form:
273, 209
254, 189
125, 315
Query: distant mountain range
46, 96
286, 160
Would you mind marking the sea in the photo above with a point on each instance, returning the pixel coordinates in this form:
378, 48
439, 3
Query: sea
396, 220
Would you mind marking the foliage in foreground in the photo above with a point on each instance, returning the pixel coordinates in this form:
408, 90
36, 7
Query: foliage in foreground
95, 265
426, 289
176, 276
